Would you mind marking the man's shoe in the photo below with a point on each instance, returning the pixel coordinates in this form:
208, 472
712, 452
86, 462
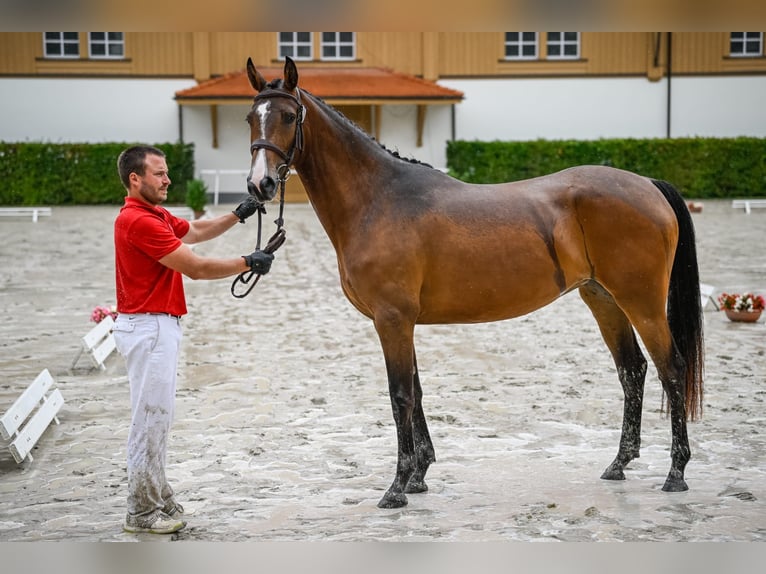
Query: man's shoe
155, 523
174, 509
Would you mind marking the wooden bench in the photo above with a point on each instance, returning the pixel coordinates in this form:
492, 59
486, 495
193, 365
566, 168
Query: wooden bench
748, 204
35, 212
98, 343
23, 436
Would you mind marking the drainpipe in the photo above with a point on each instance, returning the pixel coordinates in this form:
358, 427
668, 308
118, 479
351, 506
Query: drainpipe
670, 74
452, 117
180, 123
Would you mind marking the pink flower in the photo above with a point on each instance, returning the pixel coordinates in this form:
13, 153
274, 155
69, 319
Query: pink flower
100, 313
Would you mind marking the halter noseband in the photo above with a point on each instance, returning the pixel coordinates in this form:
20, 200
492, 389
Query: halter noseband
300, 116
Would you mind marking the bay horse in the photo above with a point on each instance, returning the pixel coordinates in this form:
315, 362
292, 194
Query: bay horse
416, 246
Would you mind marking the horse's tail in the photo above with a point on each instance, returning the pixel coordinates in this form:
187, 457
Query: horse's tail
684, 302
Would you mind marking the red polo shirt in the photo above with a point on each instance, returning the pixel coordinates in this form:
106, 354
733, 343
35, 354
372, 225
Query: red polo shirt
144, 234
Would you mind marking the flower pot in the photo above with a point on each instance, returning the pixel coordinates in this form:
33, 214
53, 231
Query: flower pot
743, 316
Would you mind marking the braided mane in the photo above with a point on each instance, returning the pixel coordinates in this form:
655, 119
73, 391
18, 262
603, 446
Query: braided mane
351, 123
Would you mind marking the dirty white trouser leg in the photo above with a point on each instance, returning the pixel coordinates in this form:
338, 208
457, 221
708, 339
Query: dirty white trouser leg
150, 345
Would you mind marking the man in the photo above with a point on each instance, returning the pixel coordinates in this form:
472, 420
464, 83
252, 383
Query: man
151, 256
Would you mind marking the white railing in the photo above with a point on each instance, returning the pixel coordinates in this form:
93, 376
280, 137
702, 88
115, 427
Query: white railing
217, 173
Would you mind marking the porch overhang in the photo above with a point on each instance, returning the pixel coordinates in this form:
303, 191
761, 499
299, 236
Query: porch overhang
351, 86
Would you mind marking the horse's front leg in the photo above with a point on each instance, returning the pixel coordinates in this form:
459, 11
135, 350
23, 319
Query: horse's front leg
396, 337
424, 448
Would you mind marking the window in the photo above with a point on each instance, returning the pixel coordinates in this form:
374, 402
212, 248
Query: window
746, 44
297, 45
563, 45
338, 45
61, 44
521, 45
106, 45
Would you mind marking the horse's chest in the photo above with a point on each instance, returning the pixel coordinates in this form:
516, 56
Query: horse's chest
354, 295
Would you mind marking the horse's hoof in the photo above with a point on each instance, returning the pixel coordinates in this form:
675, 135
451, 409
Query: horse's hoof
416, 486
393, 501
675, 485
613, 474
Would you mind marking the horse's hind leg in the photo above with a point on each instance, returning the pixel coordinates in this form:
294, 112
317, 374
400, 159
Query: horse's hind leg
631, 368
424, 448
647, 313
672, 372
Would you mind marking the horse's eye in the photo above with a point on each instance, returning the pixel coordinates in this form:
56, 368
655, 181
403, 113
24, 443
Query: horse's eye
289, 117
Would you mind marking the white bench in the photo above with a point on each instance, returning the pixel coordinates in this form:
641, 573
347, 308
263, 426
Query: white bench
706, 294
98, 343
35, 212
23, 436
179, 211
748, 204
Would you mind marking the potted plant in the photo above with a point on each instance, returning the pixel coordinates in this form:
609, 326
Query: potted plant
745, 308
196, 197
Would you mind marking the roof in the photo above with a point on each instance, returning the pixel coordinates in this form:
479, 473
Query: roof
334, 85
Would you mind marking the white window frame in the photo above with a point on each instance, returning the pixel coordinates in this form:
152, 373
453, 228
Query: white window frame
338, 44
295, 44
521, 43
61, 42
745, 39
562, 42
107, 42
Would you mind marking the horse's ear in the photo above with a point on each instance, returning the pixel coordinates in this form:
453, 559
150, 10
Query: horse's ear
291, 74
256, 80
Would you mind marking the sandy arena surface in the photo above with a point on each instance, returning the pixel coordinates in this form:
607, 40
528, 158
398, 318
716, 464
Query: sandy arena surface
284, 430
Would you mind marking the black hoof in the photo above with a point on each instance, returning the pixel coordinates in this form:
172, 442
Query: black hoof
675, 485
393, 501
416, 486
613, 474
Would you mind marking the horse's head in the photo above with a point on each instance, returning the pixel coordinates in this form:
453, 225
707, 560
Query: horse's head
276, 129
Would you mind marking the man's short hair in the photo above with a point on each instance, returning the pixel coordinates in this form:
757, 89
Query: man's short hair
133, 160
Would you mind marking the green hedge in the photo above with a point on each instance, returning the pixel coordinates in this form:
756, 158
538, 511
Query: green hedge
698, 167
78, 173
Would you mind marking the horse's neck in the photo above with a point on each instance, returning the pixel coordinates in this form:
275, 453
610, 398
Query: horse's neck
341, 167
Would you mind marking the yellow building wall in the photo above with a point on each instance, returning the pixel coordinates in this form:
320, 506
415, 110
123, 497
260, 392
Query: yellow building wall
432, 55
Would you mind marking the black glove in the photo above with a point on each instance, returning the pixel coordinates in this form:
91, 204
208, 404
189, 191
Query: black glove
247, 208
259, 261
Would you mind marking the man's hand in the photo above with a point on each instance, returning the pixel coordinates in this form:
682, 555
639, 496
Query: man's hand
259, 261
247, 208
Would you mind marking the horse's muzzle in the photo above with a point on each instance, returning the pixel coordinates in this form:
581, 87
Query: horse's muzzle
263, 192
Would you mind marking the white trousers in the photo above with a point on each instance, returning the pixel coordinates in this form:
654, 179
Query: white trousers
150, 345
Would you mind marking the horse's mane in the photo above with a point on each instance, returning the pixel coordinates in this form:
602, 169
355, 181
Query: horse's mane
277, 84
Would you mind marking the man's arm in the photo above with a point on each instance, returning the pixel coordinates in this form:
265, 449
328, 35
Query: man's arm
185, 261
203, 229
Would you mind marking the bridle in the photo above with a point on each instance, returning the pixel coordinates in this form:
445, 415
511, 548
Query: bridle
283, 174
300, 116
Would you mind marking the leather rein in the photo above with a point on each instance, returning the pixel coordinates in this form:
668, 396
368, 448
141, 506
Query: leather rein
283, 174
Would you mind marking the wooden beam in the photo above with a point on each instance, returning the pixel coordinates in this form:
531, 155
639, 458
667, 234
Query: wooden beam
201, 55
430, 55
421, 123
214, 124
655, 64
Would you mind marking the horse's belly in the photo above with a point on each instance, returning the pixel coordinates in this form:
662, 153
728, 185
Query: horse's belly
494, 299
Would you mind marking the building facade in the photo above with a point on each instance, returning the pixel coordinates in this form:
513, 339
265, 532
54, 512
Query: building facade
123, 86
